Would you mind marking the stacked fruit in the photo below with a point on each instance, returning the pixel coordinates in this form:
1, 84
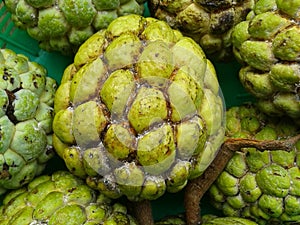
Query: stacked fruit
140, 112
64, 25
260, 184
61, 199
206, 220
26, 115
209, 23
267, 45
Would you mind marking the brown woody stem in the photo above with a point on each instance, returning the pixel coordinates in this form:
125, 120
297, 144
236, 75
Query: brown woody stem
142, 211
197, 187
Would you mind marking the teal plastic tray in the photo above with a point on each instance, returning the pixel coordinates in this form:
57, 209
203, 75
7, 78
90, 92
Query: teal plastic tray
20, 42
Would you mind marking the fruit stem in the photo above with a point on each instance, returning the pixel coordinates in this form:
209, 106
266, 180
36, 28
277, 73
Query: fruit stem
142, 211
197, 187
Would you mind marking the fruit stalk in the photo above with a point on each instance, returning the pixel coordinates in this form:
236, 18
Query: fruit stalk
142, 211
197, 187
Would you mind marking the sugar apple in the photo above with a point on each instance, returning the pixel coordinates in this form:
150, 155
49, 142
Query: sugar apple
61, 199
208, 22
139, 111
261, 185
213, 220
268, 47
206, 220
64, 25
26, 115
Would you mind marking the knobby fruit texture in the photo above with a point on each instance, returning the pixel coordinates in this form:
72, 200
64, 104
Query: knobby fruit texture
64, 25
209, 23
140, 111
267, 45
61, 199
262, 185
26, 115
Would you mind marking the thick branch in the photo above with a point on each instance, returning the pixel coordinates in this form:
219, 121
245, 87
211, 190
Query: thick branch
235, 144
142, 211
196, 188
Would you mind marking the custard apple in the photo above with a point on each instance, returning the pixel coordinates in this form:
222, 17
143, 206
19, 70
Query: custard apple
61, 199
230, 220
208, 22
64, 25
139, 111
206, 220
26, 115
267, 45
260, 185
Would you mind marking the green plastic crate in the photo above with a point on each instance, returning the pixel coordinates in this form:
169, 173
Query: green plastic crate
20, 42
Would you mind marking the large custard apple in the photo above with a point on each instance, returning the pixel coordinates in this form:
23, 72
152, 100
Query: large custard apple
261, 185
61, 199
63, 25
208, 22
139, 111
267, 44
26, 115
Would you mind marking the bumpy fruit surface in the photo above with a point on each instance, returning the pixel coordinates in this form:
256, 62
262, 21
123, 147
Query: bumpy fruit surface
139, 112
230, 220
61, 199
64, 25
267, 45
207, 220
261, 185
26, 115
208, 22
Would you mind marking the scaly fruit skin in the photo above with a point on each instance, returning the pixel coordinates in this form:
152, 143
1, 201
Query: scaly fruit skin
26, 115
267, 45
61, 199
207, 220
209, 23
261, 185
230, 220
139, 112
64, 25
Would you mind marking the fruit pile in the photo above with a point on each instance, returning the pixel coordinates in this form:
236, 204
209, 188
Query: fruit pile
64, 25
152, 112
139, 113
261, 185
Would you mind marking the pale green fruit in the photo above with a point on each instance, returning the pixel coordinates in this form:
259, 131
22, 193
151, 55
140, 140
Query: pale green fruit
61, 199
26, 115
209, 22
140, 111
267, 45
260, 185
206, 220
64, 25
230, 220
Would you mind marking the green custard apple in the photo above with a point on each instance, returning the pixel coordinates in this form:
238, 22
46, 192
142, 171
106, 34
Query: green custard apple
268, 47
206, 220
61, 199
261, 185
230, 220
65, 24
26, 115
139, 112
208, 22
